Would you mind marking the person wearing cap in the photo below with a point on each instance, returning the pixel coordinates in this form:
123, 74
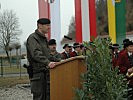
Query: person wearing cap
66, 53
53, 51
123, 60
124, 46
76, 51
83, 49
70, 48
125, 41
125, 63
115, 54
40, 60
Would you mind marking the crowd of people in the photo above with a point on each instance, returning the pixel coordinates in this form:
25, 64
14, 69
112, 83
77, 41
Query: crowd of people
124, 61
69, 51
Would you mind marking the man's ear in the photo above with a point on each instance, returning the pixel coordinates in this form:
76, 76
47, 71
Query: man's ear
39, 26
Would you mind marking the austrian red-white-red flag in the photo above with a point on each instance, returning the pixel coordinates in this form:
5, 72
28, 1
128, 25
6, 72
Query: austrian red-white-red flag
85, 18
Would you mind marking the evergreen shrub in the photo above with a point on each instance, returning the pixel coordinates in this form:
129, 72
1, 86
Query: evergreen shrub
101, 82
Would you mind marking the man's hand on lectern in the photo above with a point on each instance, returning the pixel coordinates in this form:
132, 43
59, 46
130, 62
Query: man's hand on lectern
52, 64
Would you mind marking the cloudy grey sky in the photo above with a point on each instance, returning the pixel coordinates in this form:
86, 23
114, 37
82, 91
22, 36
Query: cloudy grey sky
27, 12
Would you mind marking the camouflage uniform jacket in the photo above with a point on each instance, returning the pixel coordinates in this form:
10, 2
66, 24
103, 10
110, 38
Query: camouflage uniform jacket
56, 55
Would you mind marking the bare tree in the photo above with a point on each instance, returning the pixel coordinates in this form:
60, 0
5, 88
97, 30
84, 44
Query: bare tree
9, 29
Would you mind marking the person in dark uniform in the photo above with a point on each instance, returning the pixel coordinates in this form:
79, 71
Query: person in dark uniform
124, 46
40, 60
66, 53
76, 51
115, 54
53, 51
70, 48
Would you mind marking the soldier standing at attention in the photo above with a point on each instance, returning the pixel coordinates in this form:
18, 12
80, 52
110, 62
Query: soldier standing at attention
40, 61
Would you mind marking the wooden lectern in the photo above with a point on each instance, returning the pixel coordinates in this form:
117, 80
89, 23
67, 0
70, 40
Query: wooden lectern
65, 77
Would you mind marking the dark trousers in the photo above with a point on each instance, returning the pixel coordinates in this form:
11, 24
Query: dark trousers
40, 86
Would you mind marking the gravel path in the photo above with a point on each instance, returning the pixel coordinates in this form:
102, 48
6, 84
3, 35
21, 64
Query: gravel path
15, 93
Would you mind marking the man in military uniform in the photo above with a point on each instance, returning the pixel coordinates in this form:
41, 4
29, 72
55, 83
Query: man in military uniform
40, 60
53, 51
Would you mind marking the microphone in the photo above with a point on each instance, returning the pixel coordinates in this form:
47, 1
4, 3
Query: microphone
69, 38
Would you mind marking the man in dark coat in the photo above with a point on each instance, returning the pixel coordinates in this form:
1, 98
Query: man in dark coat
124, 46
40, 61
115, 54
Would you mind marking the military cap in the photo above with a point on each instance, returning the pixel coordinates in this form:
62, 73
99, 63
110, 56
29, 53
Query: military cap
125, 41
81, 46
66, 45
43, 21
115, 46
75, 45
70, 46
52, 42
129, 43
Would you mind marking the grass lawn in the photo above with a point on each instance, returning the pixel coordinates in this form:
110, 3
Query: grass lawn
12, 69
11, 81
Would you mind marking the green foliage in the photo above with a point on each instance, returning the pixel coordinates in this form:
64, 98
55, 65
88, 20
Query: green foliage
101, 82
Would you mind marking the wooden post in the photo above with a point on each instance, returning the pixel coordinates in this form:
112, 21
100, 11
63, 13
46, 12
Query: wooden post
1, 67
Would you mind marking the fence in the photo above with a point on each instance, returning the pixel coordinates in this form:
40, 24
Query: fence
12, 67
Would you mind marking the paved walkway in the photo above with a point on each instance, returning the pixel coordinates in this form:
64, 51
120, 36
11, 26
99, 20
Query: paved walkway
17, 92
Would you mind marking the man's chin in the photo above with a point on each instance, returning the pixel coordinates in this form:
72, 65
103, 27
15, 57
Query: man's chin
46, 35
53, 50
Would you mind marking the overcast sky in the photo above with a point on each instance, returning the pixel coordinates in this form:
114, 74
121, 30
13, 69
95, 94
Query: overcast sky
27, 12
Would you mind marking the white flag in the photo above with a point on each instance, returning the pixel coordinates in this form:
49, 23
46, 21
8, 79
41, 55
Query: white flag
85, 20
56, 22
